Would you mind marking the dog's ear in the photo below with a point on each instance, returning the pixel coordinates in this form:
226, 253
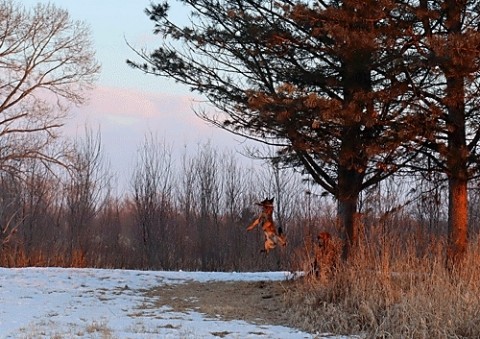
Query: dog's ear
263, 203
266, 202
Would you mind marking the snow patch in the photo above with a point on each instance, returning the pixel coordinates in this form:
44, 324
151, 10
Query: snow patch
96, 303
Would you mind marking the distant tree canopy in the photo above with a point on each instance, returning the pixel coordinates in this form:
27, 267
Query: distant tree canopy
349, 91
46, 62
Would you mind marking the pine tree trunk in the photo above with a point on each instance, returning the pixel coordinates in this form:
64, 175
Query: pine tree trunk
457, 169
457, 222
352, 164
347, 211
458, 153
349, 186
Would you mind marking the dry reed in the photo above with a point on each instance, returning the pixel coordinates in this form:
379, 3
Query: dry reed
393, 289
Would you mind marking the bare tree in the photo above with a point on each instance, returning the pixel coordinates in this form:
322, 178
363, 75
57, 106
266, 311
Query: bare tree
10, 208
88, 188
42, 204
235, 188
46, 64
152, 187
186, 206
209, 191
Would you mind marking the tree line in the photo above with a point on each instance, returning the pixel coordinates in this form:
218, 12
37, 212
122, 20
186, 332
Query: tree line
190, 211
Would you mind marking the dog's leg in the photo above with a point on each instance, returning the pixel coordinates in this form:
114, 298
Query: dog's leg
254, 224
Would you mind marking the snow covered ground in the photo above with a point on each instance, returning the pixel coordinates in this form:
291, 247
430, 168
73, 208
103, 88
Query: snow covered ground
92, 303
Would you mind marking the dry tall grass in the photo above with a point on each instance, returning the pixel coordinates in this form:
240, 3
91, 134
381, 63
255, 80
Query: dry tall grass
393, 289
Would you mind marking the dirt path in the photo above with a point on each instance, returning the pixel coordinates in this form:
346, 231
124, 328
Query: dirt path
255, 302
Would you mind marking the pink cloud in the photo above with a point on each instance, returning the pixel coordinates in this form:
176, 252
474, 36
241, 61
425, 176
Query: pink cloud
129, 102
126, 116
134, 108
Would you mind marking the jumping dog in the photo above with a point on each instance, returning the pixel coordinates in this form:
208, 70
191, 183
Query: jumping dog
273, 237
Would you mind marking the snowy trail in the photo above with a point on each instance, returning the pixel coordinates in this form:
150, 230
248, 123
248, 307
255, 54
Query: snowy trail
95, 303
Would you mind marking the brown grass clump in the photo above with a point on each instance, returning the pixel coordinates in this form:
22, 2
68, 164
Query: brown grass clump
393, 290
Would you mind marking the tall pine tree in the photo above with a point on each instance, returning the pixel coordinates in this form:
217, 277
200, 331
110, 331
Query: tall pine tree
328, 83
447, 44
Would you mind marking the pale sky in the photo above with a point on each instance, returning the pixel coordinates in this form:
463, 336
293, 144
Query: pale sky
127, 104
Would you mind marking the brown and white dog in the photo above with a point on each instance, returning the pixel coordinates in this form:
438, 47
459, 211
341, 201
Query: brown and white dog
273, 237
326, 255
